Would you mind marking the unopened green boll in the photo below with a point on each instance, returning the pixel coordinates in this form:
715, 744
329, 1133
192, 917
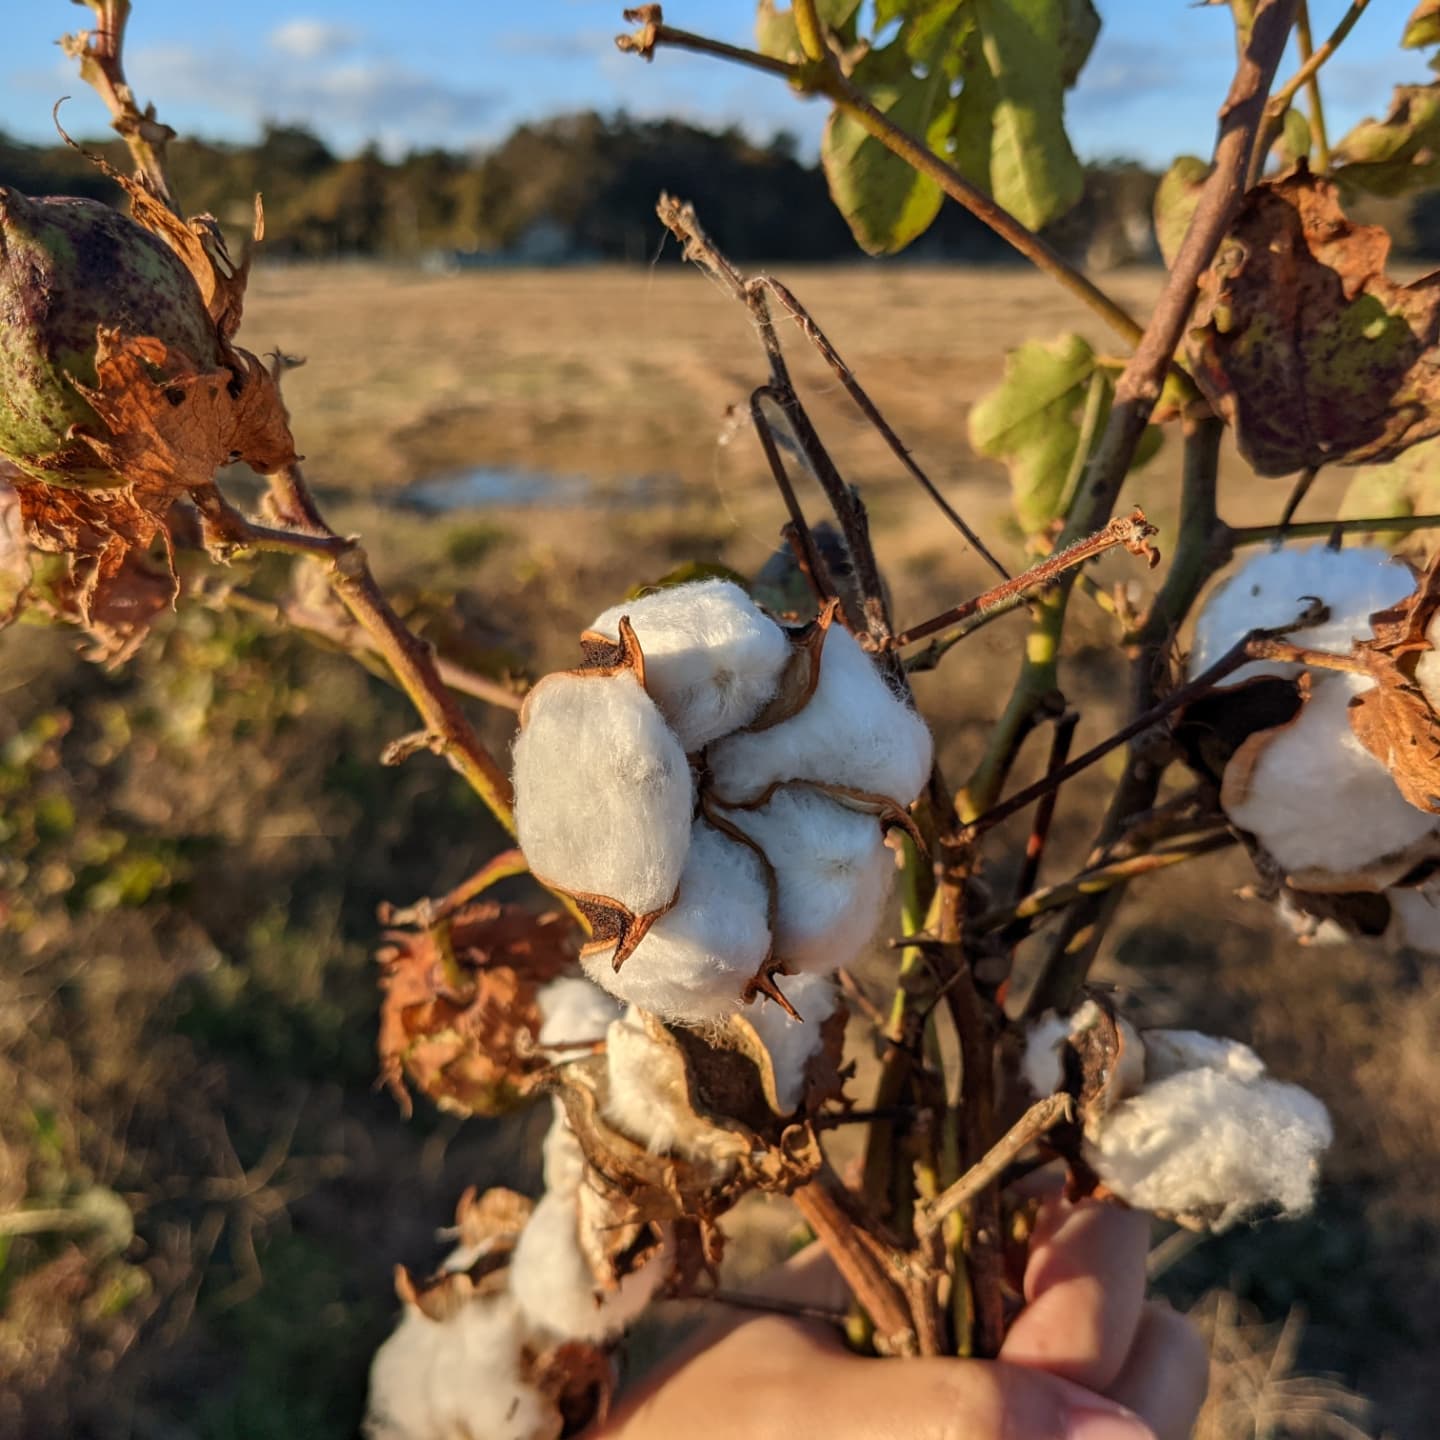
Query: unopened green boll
67, 268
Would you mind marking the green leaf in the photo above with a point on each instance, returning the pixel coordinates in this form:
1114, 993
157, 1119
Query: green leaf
1423, 27
886, 202
1397, 154
1031, 422
1296, 135
1175, 201
1009, 120
775, 29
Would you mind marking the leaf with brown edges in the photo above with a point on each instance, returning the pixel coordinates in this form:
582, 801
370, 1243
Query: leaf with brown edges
1303, 342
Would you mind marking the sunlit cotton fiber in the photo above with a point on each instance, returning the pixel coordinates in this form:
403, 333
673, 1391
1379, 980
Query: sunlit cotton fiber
854, 732
699, 957
833, 873
573, 1013
457, 1379
1276, 586
792, 1043
1213, 1146
1316, 798
648, 1099
555, 1289
713, 659
1042, 1062
603, 792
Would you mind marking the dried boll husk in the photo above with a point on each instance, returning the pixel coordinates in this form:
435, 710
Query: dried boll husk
555, 1289
1276, 586
1315, 798
1121, 1055
69, 267
713, 659
1210, 1138
854, 734
603, 792
697, 962
461, 1378
792, 1044
833, 875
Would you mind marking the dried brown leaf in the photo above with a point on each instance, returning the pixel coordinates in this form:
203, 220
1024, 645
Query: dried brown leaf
460, 1015
1304, 343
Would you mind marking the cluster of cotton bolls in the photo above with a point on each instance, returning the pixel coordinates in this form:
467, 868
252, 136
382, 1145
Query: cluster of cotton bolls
1316, 800
713, 790
470, 1374
1189, 1126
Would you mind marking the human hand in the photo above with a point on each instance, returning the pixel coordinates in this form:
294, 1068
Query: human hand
1087, 1359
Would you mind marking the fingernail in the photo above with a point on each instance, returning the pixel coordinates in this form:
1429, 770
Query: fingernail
1104, 1422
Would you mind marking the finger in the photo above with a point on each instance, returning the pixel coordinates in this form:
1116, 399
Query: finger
1166, 1374
1084, 1288
771, 1378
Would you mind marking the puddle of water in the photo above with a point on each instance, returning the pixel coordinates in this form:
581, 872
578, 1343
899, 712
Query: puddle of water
488, 485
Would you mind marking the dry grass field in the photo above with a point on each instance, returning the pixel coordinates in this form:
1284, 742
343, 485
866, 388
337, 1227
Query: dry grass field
200, 1045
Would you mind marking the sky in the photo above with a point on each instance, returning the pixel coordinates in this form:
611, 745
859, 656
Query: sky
462, 73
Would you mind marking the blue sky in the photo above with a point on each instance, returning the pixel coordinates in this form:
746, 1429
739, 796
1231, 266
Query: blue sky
463, 72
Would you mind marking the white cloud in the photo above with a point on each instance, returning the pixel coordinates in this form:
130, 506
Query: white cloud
307, 39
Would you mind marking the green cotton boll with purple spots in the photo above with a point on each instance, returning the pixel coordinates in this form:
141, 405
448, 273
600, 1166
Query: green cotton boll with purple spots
67, 268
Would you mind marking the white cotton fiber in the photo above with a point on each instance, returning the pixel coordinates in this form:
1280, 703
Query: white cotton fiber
791, 1043
1415, 918
1211, 1147
555, 1289
833, 873
1274, 587
713, 659
698, 958
853, 732
648, 1099
562, 1158
574, 1012
1168, 1052
457, 1379
603, 792
1317, 799
1042, 1063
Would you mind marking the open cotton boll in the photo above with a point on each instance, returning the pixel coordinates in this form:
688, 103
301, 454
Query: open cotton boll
573, 1012
457, 1379
647, 1098
833, 873
1317, 799
698, 959
853, 732
1042, 1062
791, 1043
1274, 587
1168, 1052
1415, 918
713, 659
554, 1288
1212, 1147
603, 792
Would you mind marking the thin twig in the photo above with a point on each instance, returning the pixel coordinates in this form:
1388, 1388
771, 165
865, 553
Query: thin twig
872, 413
1035, 843
1280, 102
1132, 531
769, 1305
427, 912
1305, 43
101, 55
824, 77
1041, 1117
1323, 529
